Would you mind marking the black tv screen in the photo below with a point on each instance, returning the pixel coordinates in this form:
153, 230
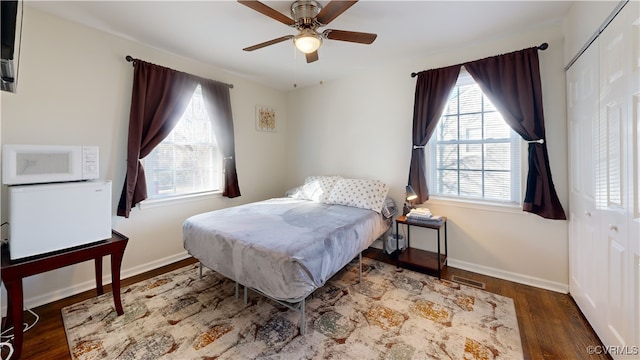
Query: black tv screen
9, 11
10, 14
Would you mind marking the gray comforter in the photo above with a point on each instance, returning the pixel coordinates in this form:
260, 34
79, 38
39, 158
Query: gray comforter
285, 248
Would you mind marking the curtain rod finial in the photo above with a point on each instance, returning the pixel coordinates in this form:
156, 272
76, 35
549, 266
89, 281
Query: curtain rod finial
414, 74
543, 46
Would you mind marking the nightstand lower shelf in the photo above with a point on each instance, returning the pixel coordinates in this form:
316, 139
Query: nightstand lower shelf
421, 259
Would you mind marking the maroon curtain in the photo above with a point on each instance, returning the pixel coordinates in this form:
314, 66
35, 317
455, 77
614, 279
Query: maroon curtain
432, 92
512, 82
217, 101
159, 98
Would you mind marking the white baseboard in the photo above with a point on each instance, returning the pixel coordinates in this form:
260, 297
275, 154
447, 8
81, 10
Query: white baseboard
511, 276
464, 265
90, 285
501, 274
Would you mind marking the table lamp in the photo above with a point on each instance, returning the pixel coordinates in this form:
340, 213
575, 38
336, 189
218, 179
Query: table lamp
410, 195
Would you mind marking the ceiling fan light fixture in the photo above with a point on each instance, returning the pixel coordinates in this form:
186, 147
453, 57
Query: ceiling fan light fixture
307, 41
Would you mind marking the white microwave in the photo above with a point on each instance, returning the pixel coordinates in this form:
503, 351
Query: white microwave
36, 164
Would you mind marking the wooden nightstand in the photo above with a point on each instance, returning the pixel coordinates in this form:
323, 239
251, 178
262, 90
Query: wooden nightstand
421, 259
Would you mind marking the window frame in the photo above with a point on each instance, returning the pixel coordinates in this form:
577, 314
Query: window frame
191, 196
518, 163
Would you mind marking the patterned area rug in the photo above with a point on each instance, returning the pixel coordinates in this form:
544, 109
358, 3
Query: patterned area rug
390, 315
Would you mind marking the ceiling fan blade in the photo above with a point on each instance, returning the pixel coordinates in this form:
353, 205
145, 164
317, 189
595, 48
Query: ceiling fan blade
311, 57
350, 36
268, 11
332, 10
267, 43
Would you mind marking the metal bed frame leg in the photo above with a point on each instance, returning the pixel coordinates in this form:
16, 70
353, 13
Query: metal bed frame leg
301, 305
303, 321
360, 268
245, 295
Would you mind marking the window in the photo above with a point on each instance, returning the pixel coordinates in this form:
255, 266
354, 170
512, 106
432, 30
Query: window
473, 153
187, 161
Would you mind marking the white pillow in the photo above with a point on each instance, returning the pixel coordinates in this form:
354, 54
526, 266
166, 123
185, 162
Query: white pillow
316, 188
366, 194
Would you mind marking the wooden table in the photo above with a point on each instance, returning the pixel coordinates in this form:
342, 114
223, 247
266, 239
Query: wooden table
13, 271
422, 259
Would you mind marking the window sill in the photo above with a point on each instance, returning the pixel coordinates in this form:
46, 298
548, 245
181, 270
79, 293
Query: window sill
511, 208
179, 199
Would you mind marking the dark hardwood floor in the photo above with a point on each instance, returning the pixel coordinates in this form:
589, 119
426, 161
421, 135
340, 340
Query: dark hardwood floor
551, 326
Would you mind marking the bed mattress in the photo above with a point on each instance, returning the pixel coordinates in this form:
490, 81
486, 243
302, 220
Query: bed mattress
285, 248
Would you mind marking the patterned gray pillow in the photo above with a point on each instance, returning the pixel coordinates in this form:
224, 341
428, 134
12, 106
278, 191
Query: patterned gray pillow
362, 193
316, 188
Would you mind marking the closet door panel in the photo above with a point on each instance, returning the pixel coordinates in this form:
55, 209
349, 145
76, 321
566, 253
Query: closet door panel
617, 308
604, 238
613, 225
583, 97
616, 191
634, 223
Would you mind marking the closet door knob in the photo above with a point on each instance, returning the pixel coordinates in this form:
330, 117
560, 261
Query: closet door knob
587, 213
613, 227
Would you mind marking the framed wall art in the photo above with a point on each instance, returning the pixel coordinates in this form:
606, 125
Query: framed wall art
265, 118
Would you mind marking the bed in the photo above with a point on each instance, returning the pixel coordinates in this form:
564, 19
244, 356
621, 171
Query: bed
286, 248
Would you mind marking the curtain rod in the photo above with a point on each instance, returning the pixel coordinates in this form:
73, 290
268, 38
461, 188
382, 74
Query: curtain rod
130, 59
542, 46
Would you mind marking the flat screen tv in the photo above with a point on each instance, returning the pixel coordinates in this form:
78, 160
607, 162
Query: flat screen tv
10, 31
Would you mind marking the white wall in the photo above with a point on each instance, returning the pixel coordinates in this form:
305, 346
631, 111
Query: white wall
74, 87
361, 127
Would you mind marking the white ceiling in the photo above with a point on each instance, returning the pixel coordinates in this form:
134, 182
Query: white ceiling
214, 32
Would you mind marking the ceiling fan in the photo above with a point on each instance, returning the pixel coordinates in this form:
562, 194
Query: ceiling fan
307, 16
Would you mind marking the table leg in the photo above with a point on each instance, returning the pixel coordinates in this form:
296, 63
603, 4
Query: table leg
397, 247
98, 265
446, 252
116, 264
14, 314
8, 321
439, 262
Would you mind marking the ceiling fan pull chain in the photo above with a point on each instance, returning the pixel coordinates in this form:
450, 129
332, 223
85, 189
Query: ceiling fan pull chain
295, 68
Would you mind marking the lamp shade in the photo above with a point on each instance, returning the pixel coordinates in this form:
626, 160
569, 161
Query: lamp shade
411, 194
307, 41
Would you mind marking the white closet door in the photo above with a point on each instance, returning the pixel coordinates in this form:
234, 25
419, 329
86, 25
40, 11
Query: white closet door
614, 188
634, 221
584, 248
